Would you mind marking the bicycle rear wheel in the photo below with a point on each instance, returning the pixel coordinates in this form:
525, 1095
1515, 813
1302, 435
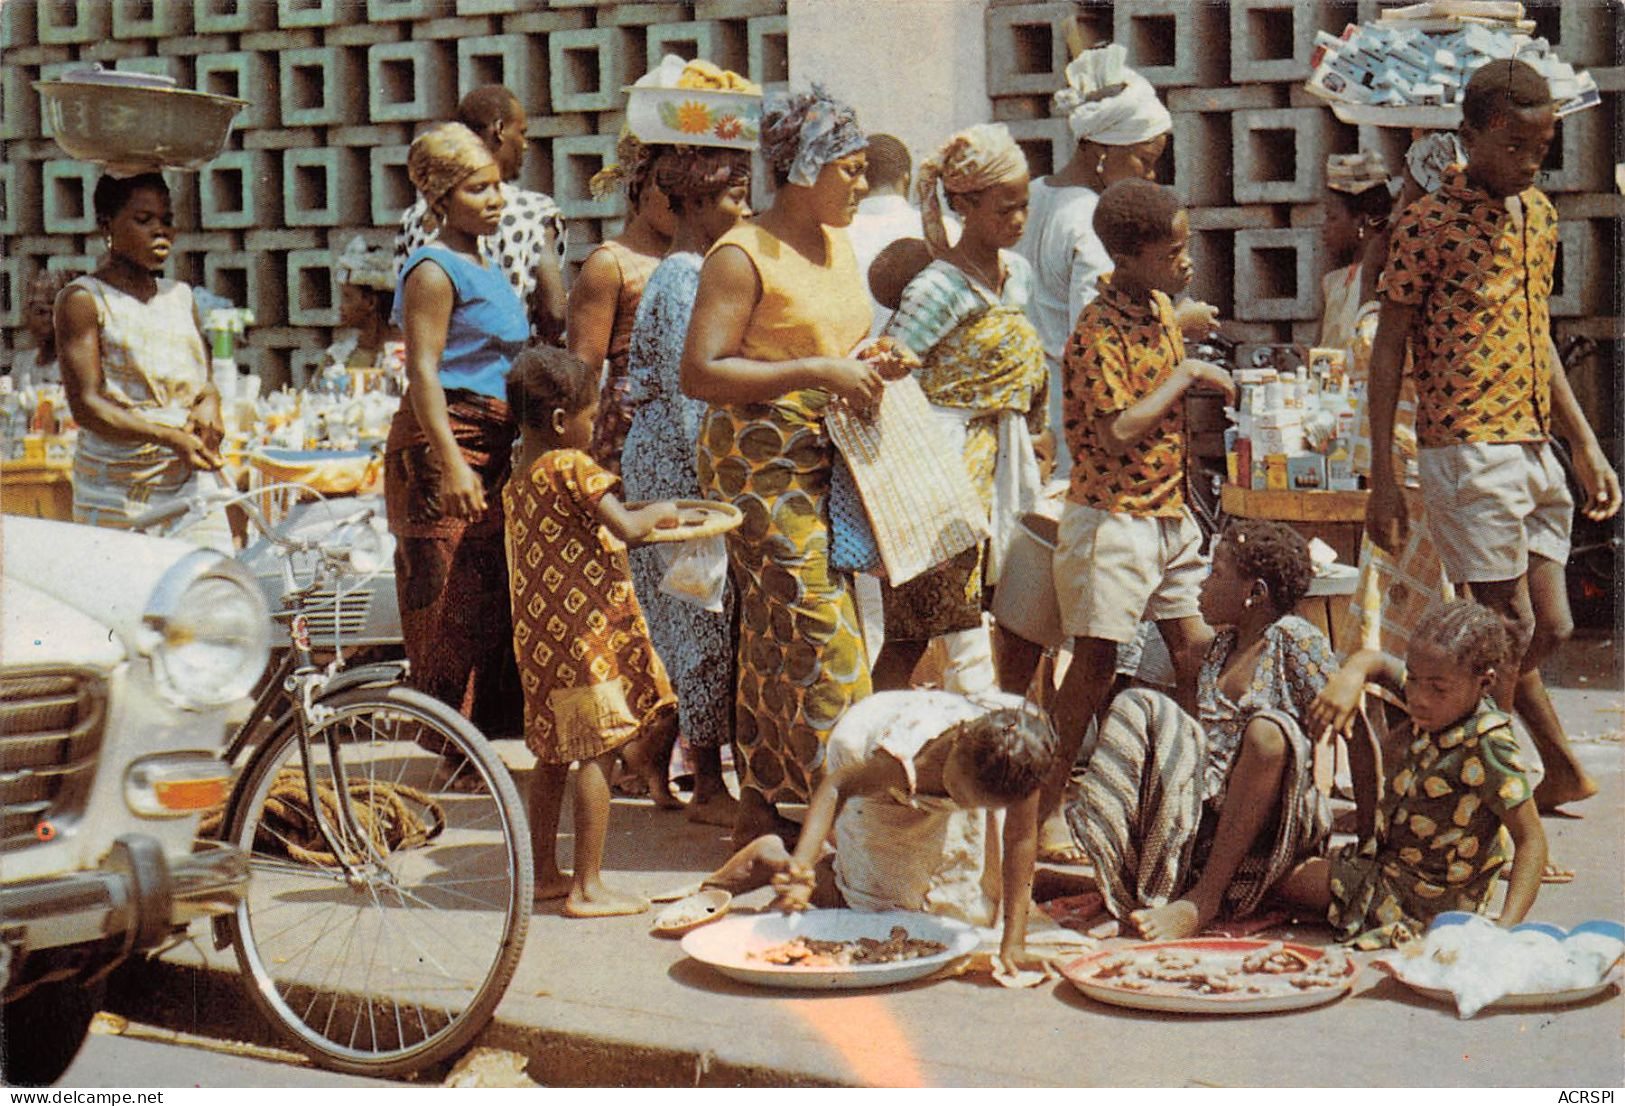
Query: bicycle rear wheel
399, 962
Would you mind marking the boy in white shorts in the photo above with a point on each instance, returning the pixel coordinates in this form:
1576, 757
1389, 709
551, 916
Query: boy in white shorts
1469, 273
1128, 547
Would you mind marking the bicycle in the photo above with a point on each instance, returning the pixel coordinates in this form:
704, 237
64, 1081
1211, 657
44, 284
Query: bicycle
390, 856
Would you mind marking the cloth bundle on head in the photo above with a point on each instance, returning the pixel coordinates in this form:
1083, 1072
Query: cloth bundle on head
1356, 173
804, 131
358, 265
975, 158
1108, 103
630, 170
1431, 158
441, 157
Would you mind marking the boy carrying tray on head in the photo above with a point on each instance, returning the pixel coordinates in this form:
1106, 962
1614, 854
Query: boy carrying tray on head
1468, 277
1128, 547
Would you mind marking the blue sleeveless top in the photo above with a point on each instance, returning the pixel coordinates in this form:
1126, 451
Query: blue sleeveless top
487, 328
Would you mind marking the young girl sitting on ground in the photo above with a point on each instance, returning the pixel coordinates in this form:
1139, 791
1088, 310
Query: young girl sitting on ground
1456, 780
591, 678
915, 783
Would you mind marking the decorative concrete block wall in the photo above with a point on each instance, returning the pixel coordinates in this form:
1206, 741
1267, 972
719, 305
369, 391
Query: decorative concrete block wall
336, 90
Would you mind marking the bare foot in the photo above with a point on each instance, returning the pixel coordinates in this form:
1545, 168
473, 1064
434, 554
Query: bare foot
554, 886
602, 902
751, 867
748, 830
714, 810
1560, 788
1056, 845
1180, 918
638, 759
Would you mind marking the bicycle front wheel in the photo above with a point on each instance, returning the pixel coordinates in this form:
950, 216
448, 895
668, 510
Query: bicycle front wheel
383, 944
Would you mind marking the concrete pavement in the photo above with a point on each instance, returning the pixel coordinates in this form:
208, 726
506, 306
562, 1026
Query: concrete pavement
600, 1002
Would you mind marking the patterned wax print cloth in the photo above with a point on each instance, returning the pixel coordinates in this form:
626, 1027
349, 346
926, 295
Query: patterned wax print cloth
591, 676
1479, 274
802, 660
1438, 843
979, 354
615, 404
451, 578
517, 246
697, 645
1120, 352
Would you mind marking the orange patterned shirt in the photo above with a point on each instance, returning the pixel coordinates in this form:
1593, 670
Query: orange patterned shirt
1481, 343
591, 678
1121, 351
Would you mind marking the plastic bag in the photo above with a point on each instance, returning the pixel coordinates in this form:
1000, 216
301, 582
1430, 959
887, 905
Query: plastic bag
696, 572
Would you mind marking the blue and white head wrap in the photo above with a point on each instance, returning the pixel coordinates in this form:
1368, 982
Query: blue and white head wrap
804, 131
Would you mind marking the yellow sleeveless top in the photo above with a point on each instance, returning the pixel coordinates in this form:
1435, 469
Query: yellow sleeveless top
806, 310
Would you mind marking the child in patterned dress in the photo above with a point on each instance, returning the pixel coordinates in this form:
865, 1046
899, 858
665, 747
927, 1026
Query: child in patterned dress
592, 680
1435, 843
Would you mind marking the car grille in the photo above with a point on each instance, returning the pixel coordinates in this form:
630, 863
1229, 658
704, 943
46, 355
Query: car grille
327, 610
51, 724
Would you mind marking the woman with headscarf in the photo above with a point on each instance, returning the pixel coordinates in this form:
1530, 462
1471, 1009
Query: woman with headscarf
982, 366
136, 370
709, 192
604, 298
781, 307
447, 457
39, 364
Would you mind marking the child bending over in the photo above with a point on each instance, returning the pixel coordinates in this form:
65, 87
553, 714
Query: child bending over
1456, 780
591, 678
916, 786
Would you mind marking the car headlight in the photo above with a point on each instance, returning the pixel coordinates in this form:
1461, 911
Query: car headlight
209, 632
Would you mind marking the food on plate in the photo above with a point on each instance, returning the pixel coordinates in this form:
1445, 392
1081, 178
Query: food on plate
1273, 969
806, 952
1479, 963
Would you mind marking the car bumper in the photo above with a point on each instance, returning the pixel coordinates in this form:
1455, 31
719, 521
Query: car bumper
137, 893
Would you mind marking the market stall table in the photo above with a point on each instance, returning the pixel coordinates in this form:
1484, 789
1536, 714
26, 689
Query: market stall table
37, 488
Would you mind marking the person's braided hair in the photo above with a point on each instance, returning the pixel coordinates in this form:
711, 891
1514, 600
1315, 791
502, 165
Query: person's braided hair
1468, 633
1274, 553
1011, 750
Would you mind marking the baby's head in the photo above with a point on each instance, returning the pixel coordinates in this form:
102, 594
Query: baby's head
553, 397
1257, 563
1507, 123
1146, 231
1000, 757
894, 267
1451, 664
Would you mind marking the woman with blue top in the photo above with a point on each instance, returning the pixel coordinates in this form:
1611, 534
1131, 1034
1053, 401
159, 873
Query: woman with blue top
447, 458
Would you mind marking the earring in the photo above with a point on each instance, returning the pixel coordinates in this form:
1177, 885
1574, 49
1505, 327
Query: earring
1248, 602
1100, 166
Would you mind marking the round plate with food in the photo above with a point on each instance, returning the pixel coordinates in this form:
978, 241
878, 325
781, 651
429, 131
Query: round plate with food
830, 949
1215, 976
698, 518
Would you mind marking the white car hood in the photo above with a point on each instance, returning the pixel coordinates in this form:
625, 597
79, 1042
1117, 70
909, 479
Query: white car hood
37, 629
107, 575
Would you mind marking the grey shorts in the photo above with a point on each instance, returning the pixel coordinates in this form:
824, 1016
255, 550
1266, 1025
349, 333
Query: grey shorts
1491, 505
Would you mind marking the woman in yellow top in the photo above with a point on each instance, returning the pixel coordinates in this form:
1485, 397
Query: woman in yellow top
781, 306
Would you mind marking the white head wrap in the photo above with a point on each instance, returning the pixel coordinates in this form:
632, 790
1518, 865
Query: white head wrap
1126, 118
358, 265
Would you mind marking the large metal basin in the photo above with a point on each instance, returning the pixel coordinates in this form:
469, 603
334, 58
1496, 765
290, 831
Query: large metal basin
130, 129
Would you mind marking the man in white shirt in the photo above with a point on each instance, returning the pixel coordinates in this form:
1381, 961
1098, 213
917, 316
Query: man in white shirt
529, 245
885, 214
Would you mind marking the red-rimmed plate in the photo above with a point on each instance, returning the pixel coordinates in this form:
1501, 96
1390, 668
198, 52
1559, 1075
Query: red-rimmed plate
1171, 998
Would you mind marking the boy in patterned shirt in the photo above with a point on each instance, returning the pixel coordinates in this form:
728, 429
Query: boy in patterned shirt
1128, 548
1466, 287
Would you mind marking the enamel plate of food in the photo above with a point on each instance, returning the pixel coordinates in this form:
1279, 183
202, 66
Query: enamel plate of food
830, 949
1217, 976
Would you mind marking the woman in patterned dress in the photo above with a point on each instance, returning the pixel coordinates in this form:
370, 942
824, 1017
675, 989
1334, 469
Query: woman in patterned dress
780, 307
604, 298
136, 371
1210, 812
709, 191
982, 366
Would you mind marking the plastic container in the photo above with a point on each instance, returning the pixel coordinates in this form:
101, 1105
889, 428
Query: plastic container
1024, 600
